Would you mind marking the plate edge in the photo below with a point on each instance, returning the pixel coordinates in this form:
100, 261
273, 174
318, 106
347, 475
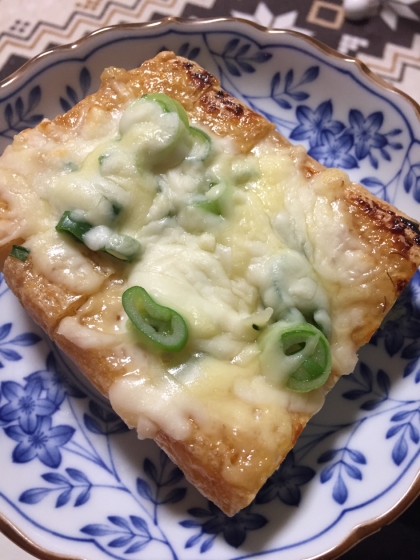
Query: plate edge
9, 530
171, 20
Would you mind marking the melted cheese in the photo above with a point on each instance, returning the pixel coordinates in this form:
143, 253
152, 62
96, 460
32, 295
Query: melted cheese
63, 264
230, 272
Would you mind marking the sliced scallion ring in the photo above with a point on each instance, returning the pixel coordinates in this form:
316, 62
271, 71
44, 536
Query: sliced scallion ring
201, 148
296, 356
166, 140
315, 368
161, 326
169, 105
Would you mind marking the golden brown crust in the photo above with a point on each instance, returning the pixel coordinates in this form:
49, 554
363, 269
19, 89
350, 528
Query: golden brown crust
45, 302
394, 225
204, 476
197, 90
203, 460
394, 237
101, 367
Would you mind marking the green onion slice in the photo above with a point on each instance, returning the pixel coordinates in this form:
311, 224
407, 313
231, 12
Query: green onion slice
212, 206
169, 105
162, 326
173, 141
217, 200
118, 245
19, 252
300, 352
315, 368
201, 148
69, 223
122, 247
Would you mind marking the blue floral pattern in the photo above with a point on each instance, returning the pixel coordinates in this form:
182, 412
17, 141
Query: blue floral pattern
333, 151
20, 115
406, 424
242, 57
345, 462
7, 352
412, 181
64, 486
43, 442
26, 417
132, 533
55, 382
285, 483
74, 453
26, 404
234, 529
313, 125
331, 140
282, 90
71, 95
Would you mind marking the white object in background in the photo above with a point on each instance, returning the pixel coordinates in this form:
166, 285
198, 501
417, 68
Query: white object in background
360, 9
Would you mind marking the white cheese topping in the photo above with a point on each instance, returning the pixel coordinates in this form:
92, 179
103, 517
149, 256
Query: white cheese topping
231, 242
63, 263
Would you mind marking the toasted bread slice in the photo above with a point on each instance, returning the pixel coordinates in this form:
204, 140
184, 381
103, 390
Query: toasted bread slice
241, 233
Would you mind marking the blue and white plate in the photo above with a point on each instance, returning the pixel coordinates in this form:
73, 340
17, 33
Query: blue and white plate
73, 480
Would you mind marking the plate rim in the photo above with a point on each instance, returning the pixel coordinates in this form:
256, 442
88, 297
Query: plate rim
19, 538
361, 530
198, 22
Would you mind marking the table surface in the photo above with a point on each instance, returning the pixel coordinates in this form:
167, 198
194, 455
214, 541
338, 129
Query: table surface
388, 42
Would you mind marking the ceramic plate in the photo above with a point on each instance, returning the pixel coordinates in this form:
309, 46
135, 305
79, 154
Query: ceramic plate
73, 480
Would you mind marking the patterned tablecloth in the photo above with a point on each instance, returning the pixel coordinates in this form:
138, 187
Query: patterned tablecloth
388, 42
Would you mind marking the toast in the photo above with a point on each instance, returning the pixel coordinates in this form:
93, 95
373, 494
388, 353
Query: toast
209, 278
